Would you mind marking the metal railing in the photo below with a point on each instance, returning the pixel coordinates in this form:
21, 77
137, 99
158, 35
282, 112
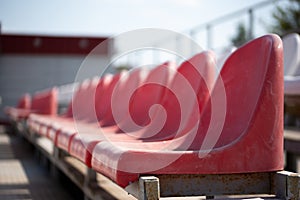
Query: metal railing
204, 34
250, 11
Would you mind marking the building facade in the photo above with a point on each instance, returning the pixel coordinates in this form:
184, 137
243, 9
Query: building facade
29, 63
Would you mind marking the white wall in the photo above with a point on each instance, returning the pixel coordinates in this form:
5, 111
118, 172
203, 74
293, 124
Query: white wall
29, 73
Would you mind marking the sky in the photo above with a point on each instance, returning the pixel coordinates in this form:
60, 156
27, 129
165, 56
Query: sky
111, 17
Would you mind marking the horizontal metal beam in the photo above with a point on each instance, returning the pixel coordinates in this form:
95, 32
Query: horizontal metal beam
215, 184
281, 184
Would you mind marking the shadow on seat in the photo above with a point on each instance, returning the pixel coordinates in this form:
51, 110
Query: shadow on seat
240, 129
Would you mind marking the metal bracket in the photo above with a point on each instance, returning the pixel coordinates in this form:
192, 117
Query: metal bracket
149, 188
90, 177
287, 185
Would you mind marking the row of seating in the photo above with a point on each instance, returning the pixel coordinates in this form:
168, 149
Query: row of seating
44, 102
174, 120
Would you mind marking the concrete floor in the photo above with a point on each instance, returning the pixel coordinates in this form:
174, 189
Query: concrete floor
21, 176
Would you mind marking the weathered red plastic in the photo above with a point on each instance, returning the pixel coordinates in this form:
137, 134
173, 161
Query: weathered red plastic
190, 73
83, 111
84, 116
44, 103
48, 125
16, 113
25, 102
240, 131
82, 144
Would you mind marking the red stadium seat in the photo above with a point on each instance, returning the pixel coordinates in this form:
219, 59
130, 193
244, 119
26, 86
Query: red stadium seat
62, 123
122, 92
83, 111
25, 102
44, 103
189, 73
240, 129
43, 123
127, 83
19, 112
97, 110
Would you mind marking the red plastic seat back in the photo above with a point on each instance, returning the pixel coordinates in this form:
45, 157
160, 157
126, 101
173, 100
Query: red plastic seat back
249, 90
45, 102
89, 113
103, 94
77, 103
69, 111
187, 94
118, 110
24, 102
150, 93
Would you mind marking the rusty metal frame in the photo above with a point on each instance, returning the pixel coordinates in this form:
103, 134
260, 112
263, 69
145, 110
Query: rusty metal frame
281, 184
286, 185
149, 188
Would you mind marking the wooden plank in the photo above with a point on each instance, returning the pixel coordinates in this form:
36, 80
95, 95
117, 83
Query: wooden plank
292, 133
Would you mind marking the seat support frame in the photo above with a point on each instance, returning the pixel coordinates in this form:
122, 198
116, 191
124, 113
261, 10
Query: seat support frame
278, 185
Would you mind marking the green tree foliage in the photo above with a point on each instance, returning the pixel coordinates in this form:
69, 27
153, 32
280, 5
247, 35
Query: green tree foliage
241, 36
286, 18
